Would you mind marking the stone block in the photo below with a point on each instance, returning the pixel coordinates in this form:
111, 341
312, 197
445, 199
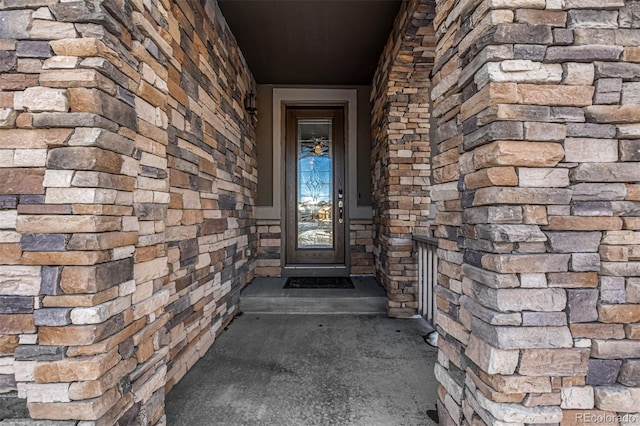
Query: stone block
92, 279
544, 319
16, 324
14, 24
16, 304
581, 305
577, 397
624, 70
595, 191
39, 99
542, 73
506, 195
554, 362
584, 223
80, 335
52, 316
583, 150
510, 300
502, 337
92, 409
584, 262
618, 398
629, 373
42, 242
612, 289
592, 208
589, 53
630, 150
619, 314
514, 413
510, 233
508, 153
85, 158
494, 176
8, 61
515, 384
22, 181
633, 290
621, 269
42, 29
526, 263
489, 278
603, 372
102, 139
553, 95
490, 359
543, 177
591, 130
613, 113
630, 93
19, 280
39, 353
615, 349
578, 74
567, 242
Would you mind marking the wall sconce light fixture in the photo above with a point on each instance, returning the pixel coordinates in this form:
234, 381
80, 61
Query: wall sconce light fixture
251, 103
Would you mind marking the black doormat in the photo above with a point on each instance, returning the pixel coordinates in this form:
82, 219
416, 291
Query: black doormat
319, 282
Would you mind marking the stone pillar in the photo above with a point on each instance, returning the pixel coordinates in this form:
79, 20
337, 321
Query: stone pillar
537, 190
127, 185
401, 152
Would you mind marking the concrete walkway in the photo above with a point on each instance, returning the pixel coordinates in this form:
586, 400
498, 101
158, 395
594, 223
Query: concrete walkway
310, 370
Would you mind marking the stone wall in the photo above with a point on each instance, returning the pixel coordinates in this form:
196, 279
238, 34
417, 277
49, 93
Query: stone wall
536, 174
268, 256
128, 182
361, 246
400, 155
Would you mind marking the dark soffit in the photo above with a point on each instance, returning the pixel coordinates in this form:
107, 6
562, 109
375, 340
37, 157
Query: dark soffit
331, 42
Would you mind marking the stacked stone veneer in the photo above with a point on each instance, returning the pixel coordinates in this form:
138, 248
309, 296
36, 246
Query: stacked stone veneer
361, 246
537, 172
269, 252
268, 256
127, 183
401, 152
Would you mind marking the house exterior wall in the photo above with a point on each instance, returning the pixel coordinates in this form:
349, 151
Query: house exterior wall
127, 188
536, 185
400, 155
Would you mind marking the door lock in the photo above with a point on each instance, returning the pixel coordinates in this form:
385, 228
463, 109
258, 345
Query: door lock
340, 211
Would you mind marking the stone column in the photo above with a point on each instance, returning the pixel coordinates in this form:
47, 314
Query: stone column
537, 190
401, 152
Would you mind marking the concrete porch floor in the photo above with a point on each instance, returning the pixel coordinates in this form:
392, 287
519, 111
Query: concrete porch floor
274, 369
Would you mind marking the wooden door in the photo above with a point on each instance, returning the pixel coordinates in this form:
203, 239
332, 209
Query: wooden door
315, 200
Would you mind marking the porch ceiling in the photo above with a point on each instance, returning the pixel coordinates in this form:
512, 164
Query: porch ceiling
331, 42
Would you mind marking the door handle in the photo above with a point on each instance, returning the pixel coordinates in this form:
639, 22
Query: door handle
340, 211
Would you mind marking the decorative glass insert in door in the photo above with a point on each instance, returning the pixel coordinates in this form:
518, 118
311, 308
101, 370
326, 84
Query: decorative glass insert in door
315, 184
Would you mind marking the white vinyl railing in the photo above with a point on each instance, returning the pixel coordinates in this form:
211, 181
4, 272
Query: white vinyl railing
427, 276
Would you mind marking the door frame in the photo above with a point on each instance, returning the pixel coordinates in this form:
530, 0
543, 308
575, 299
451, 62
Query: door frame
288, 96
337, 256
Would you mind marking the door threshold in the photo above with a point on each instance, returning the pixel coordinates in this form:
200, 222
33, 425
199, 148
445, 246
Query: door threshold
315, 270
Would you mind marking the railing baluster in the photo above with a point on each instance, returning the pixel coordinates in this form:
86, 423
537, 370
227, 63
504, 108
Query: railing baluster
427, 276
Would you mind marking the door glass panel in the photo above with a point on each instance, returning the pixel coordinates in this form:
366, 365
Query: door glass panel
315, 184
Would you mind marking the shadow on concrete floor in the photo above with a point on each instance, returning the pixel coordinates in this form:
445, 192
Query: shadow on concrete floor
311, 370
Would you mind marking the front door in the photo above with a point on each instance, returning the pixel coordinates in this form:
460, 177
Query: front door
315, 186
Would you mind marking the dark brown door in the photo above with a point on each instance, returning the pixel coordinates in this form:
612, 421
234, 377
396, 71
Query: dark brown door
315, 186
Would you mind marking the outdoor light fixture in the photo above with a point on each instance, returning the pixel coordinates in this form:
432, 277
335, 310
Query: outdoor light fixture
250, 103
